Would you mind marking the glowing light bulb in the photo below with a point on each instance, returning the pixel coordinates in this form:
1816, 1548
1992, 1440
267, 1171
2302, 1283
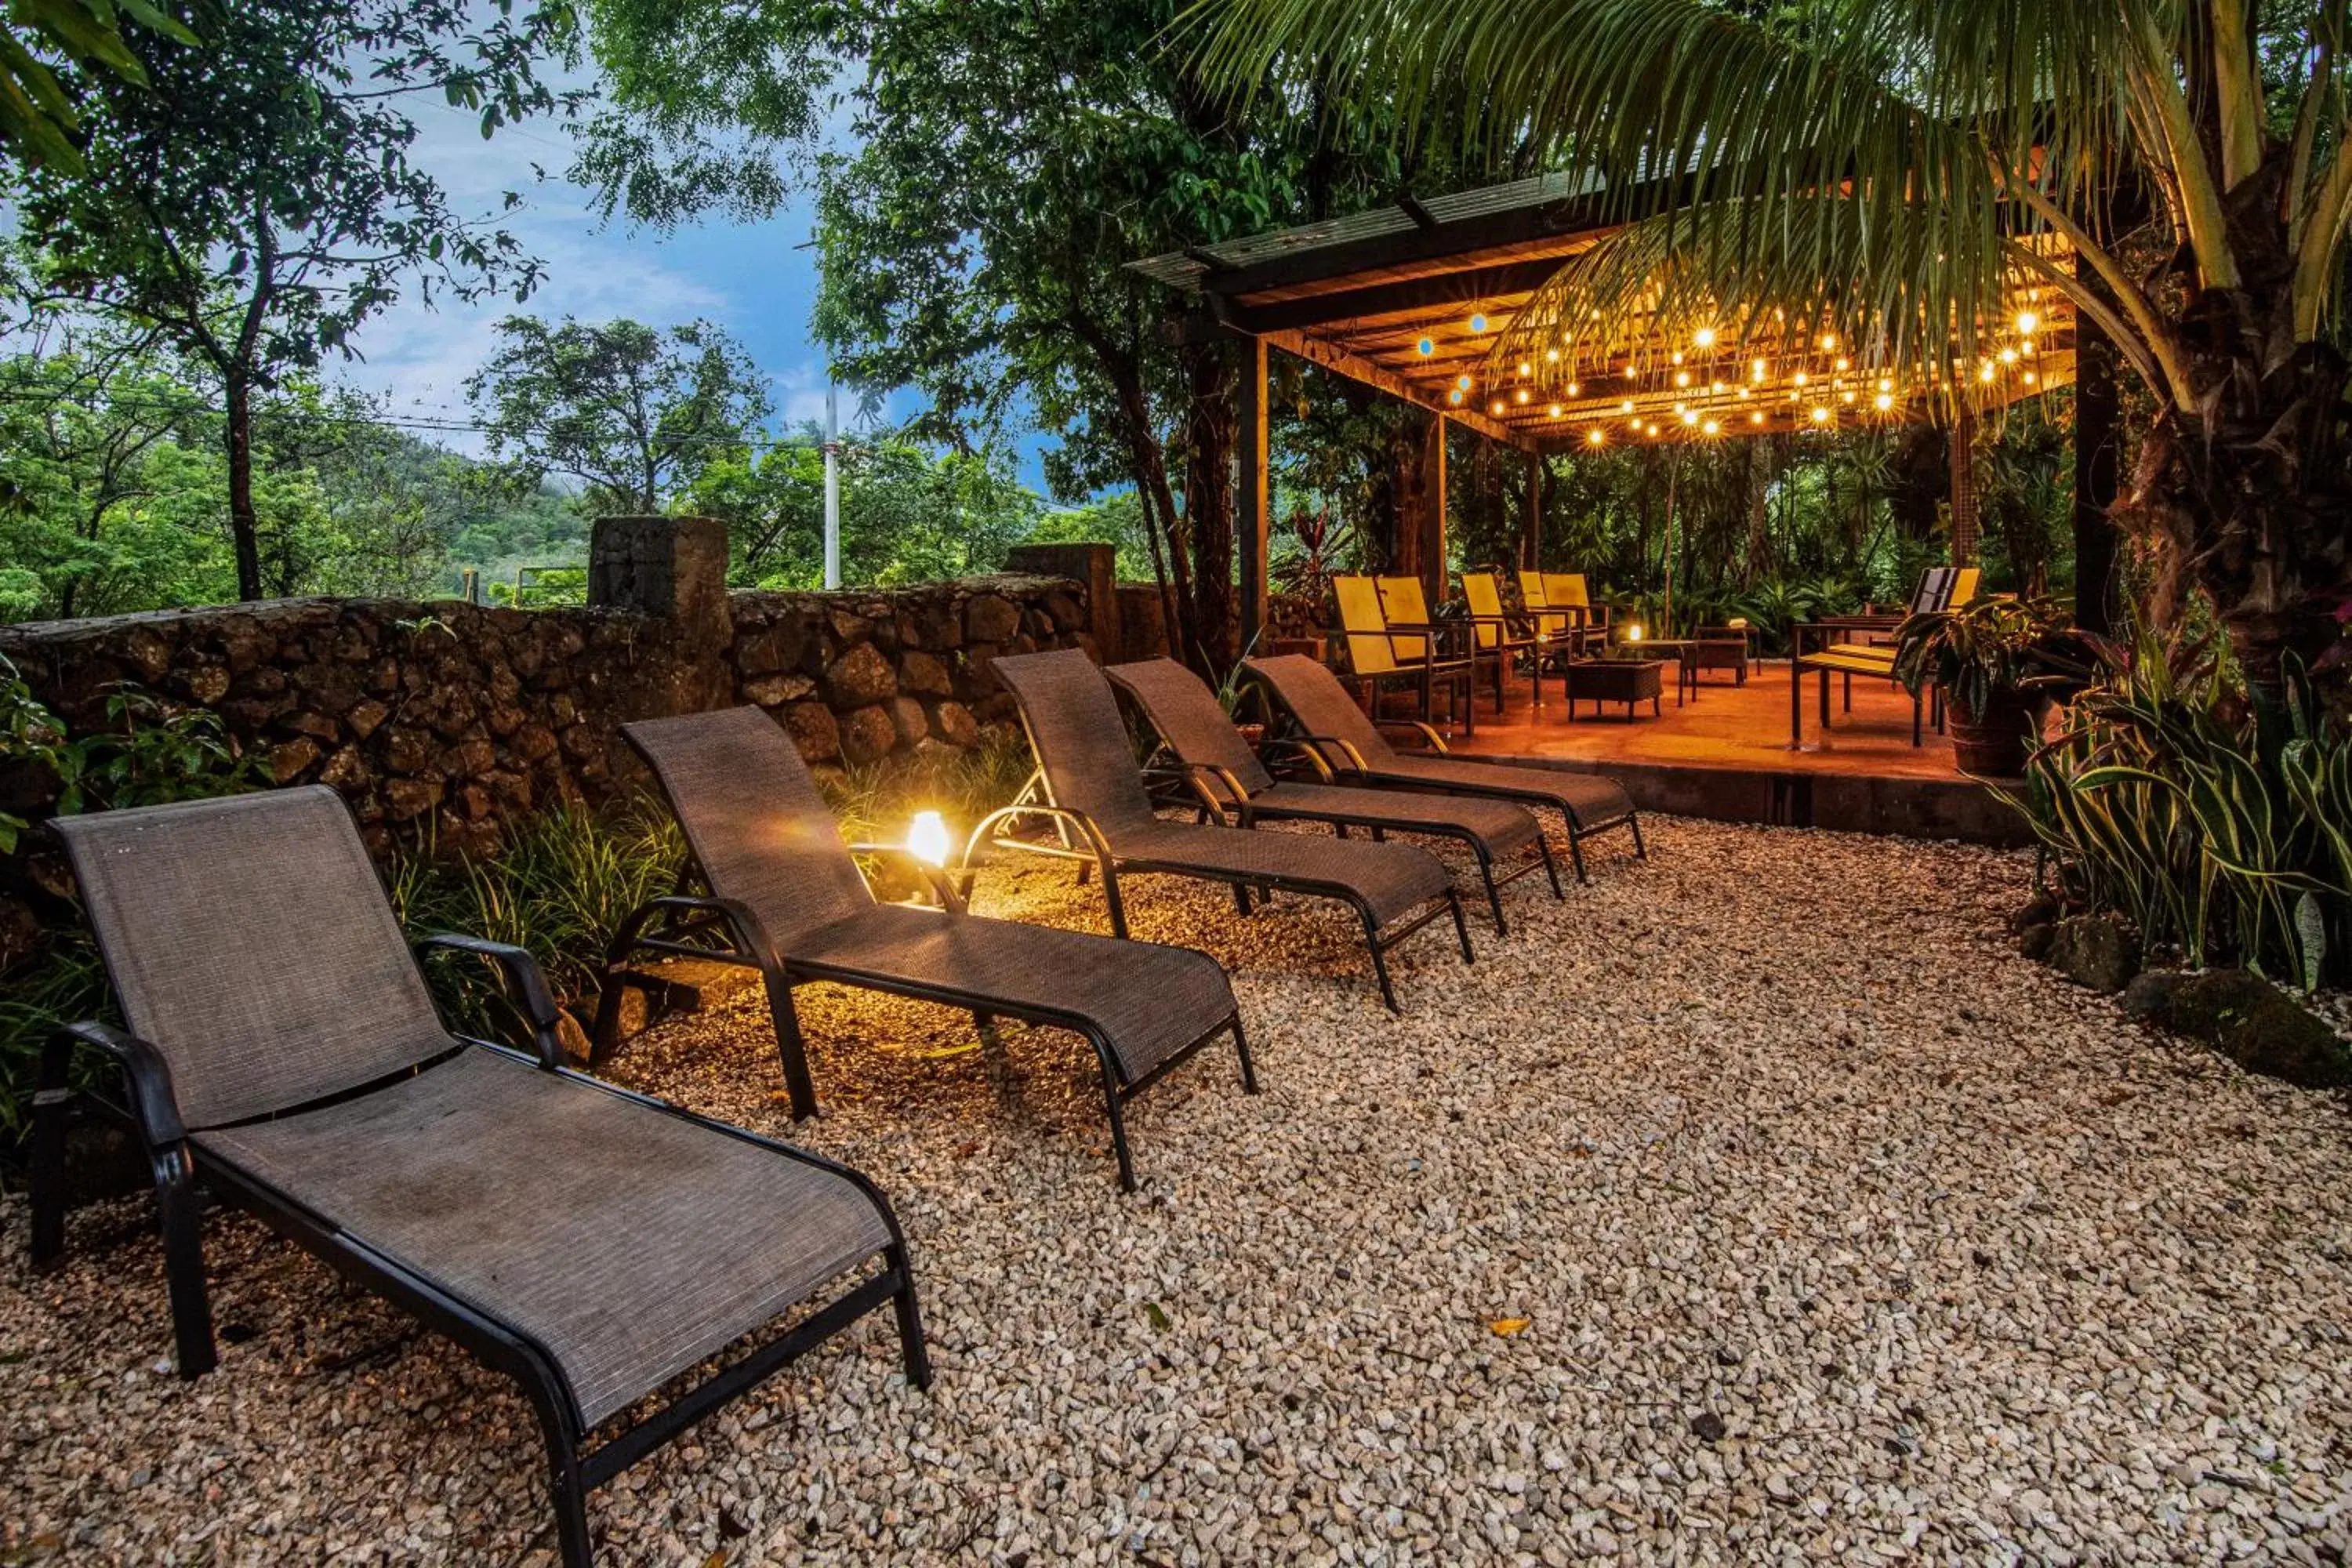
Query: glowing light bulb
1678, 356
1842, 362
1454, 397
2026, 322
1592, 437
1463, 381
1523, 394
1821, 414
2030, 378
927, 839
1757, 418
1756, 371
1716, 388
1425, 347
1477, 324
1498, 406
2008, 356
1626, 406
1574, 390
1886, 401
1552, 355
1985, 371
1829, 341
2025, 346
1682, 378
1525, 367
1690, 415
1712, 427
1799, 379
1704, 337
1555, 410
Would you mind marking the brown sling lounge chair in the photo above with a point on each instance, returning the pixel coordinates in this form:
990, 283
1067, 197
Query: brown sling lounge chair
1088, 786
1354, 747
282, 1052
1227, 776
788, 899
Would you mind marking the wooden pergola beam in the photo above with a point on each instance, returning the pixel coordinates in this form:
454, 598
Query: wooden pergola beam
1314, 351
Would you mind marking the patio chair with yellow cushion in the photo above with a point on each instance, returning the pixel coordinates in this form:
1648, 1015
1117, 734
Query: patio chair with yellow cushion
1442, 642
1504, 638
1567, 591
1549, 622
1380, 657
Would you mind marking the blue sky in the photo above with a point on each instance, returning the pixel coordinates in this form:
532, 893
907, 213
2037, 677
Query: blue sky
758, 280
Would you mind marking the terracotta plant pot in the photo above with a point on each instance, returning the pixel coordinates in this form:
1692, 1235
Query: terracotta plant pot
1991, 744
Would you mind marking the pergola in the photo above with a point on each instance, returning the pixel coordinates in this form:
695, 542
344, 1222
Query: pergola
1414, 299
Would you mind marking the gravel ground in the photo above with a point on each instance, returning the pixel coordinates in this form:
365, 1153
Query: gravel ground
1758, 1204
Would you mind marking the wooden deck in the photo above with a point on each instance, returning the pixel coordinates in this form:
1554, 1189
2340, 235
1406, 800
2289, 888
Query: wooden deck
1725, 754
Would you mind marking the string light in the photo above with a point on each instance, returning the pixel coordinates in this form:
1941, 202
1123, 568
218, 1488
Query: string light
1426, 347
1704, 337
1477, 324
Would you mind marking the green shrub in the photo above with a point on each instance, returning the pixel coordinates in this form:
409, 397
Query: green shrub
2158, 799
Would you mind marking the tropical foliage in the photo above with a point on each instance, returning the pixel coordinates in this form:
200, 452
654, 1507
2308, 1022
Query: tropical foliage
2154, 799
1890, 171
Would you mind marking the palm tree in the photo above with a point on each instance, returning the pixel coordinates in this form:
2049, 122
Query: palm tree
2175, 170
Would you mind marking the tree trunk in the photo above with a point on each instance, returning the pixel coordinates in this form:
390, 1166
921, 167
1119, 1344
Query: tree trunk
2250, 501
1212, 423
244, 521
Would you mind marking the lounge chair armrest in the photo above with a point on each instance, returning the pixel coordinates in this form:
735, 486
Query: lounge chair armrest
1304, 748
1346, 748
1207, 779
1427, 732
934, 877
1061, 814
145, 1073
524, 977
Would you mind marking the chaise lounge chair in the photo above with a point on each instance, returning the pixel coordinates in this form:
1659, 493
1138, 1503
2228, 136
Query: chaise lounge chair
786, 894
1088, 786
1228, 778
1352, 744
283, 1052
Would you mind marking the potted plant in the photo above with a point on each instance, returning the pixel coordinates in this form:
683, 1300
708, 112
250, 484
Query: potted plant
2000, 662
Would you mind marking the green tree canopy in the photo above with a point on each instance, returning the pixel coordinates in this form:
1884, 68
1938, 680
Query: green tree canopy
634, 413
255, 197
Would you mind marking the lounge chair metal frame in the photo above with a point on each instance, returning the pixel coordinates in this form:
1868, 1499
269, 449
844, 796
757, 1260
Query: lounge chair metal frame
691, 919
179, 1167
1098, 856
1343, 757
1223, 797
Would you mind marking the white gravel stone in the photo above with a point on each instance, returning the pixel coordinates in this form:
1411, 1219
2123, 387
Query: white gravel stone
1773, 1129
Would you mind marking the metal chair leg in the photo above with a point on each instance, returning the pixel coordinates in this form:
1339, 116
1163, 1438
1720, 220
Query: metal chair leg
1380, 960
1640, 851
1551, 868
181, 1218
568, 1490
791, 1050
1461, 926
1249, 1068
1494, 893
913, 1352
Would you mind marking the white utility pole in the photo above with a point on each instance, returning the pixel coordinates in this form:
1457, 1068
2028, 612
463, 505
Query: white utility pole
832, 486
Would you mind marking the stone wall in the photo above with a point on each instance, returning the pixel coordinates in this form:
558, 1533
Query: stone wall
440, 718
